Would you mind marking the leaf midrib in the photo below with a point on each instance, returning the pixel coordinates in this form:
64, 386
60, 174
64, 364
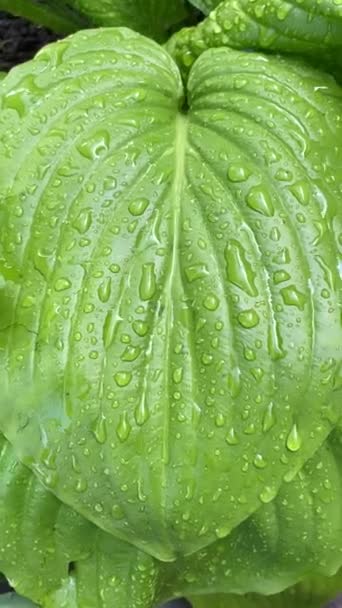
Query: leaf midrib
179, 178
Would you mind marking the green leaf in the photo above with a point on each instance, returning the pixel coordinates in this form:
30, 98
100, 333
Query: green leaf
205, 5
55, 16
312, 28
151, 17
12, 600
312, 594
175, 273
298, 534
40, 538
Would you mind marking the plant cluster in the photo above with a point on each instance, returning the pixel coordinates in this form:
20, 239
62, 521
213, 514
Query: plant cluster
170, 295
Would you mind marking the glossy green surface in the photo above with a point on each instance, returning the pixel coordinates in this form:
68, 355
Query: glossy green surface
296, 535
170, 337
174, 279
311, 28
11, 600
311, 594
41, 538
56, 16
153, 18
205, 5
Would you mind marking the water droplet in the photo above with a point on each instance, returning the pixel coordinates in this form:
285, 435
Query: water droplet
141, 497
43, 259
267, 495
220, 420
248, 318
269, 418
195, 272
234, 381
238, 173
138, 206
239, 270
259, 462
275, 234
250, 429
222, 531
293, 442
115, 268
140, 328
124, 428
249, 354
141, 413
104, 290
257, 373
48, 457
19, 97
147, 286
131, 353
50, 479
231, 437
293, 297
260, 200
206, 359
283, 175
274, 341
83, 221
95, 145
109, 328
99, 429
122, 378
98, 507
282, 256
211, 302
62, 284
280, 276
81, 486
301, 190
177, 375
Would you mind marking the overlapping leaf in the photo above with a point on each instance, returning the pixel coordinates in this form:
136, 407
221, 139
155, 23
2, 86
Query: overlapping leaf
295, 537
56, 16
54, 556
312, 28
152, 17
177, 272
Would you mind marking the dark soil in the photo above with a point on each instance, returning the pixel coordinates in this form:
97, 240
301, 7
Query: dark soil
20, 40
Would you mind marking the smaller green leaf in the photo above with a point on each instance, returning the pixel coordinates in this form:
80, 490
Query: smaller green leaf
296, 536
54, 556
312, 593
312, 29
150, 17
55, 16
205, 5
12, 600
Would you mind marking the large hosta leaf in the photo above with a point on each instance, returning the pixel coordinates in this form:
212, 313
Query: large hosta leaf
312, 28
56, 557
176, 273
